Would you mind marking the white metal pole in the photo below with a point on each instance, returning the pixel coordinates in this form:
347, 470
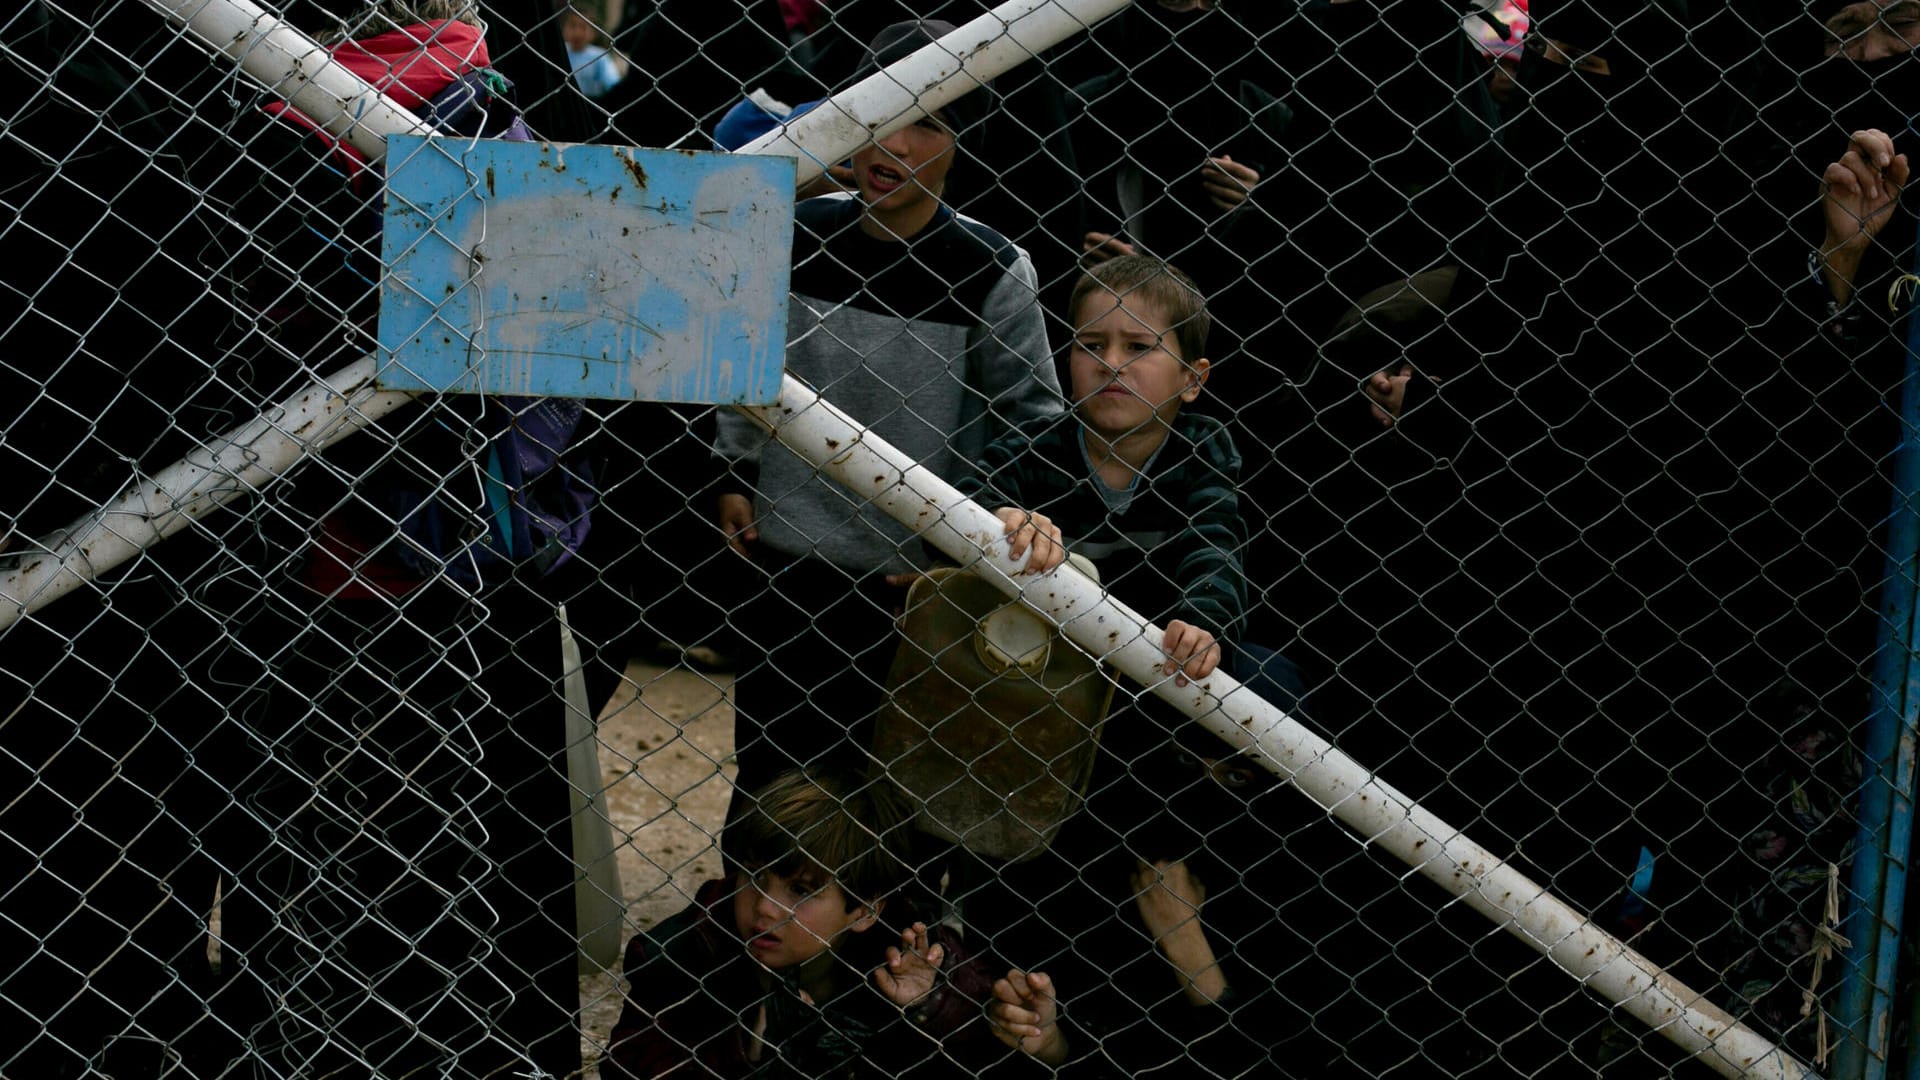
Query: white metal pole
867, 466
239, 463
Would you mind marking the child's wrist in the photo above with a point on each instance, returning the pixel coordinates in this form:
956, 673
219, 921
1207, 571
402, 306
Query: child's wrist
921, 1011
1054, 1050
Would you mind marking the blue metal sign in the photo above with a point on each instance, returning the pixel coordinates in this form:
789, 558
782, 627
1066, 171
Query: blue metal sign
584, 271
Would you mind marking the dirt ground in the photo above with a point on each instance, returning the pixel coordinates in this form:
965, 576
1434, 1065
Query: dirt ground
666, 742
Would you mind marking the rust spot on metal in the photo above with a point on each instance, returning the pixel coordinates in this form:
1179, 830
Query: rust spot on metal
833, 444
1593, 950
624, 230
614, 196
489, 181
879, 479
638, 173
1418, 844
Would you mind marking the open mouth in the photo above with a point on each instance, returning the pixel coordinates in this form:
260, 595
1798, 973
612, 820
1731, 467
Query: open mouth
885, 178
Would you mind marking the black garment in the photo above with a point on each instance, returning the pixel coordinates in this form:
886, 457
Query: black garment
1174, 90
1558, 588
399, 877
692, 59
1069, 912
828, 640
411, 906
109, 732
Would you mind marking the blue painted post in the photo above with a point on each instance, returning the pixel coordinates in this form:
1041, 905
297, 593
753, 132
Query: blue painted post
1878, 883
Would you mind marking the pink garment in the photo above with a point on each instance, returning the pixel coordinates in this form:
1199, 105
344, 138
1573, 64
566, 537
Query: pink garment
804, 16
408, 65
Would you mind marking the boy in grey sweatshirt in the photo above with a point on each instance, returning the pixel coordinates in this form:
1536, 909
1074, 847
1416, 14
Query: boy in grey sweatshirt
925, 327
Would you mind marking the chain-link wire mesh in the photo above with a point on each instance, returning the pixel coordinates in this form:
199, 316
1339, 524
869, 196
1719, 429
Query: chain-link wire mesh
1550, 456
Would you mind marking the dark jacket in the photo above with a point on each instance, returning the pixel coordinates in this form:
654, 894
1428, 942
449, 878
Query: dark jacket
1173, 552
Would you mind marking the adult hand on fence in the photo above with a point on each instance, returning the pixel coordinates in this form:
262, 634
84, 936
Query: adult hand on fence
1027, 529
1228, 182
1858, 195
1025, 1015
1192, 653
1388, 392
736, 522
910, 970
1098, 247
1169, 899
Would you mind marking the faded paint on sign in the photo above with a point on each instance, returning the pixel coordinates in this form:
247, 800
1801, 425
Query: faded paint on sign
584, 271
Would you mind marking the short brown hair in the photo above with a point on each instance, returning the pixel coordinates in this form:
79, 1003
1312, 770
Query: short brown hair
1173, 292
848, 826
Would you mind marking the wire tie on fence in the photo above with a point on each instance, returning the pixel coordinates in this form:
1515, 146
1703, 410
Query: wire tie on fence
1827, 941
1901, 291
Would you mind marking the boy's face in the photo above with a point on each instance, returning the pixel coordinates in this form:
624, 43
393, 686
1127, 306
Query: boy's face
1126, 366
786, 921
906, 171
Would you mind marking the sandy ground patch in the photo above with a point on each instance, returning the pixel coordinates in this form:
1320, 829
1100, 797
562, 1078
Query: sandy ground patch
666, 742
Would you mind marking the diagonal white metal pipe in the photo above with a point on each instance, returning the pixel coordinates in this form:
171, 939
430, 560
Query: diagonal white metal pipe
867, 466
153, 508
346, 401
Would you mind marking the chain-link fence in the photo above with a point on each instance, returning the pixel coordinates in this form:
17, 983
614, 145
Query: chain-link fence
1485, 648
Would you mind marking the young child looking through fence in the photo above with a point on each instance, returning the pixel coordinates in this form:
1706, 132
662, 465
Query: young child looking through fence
1148, 491
783, 965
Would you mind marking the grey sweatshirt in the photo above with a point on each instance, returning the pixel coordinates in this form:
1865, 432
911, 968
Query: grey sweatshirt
937, 344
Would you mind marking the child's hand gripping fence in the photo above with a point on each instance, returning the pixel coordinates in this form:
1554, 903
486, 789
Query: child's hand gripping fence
251, 457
